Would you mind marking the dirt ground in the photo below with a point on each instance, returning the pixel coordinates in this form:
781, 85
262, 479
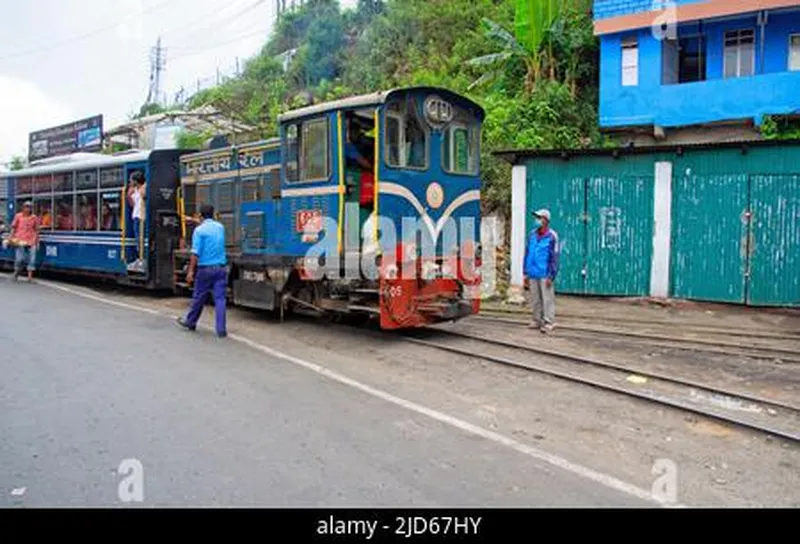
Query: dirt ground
718, 465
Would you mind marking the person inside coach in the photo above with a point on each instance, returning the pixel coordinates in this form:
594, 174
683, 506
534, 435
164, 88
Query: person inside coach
209, 264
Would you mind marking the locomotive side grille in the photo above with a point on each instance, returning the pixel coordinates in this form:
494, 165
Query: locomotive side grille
227, 220
225, 197
254, 230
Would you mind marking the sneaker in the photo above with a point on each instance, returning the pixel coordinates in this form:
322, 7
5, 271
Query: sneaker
547, 329
183, 324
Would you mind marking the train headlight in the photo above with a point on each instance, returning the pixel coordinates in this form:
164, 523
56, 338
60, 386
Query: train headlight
430, 271
390, 272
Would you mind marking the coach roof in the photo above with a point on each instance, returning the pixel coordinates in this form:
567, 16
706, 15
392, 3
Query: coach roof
78, 161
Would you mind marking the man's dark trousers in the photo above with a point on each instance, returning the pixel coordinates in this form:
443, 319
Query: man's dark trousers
209, 280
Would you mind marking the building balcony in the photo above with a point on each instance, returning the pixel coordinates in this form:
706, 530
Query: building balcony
703, 102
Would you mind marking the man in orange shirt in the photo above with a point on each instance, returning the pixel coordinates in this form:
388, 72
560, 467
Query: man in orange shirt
25, 236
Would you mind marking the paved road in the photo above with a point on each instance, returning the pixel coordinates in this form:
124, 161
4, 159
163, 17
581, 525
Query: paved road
84, 385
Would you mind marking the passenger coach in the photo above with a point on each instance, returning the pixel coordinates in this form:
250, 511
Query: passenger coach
86, 218
368, 205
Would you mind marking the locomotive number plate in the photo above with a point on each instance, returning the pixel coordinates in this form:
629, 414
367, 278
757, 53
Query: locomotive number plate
309, 221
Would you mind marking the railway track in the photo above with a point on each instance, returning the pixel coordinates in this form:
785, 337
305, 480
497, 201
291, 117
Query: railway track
779, 334
769, 416
720, 347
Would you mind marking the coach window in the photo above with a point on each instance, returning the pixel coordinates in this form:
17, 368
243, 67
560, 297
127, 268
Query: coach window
63, 203
109, 210
307, 147
406, 136
86, 184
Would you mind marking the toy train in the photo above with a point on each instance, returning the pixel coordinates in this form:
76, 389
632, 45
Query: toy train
365, 206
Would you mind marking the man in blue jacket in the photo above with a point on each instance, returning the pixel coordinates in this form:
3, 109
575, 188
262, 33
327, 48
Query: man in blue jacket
542, 253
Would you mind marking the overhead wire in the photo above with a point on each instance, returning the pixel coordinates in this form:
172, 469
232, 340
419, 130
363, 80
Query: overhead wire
85, 36
188, 28
218, 25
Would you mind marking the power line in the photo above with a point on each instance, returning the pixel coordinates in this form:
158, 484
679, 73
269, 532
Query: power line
218, 44
218, 25
82, 36
188, 28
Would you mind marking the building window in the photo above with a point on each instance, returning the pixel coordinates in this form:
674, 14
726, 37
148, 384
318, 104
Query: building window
630, 62
684, 60
794, 52
740, 53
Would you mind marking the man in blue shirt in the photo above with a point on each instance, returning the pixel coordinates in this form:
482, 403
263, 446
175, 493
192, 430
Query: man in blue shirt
542, 254
210, 263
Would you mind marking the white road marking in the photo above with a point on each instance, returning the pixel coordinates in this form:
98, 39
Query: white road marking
554, 460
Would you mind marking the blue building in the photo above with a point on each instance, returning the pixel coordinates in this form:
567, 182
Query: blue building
696, 70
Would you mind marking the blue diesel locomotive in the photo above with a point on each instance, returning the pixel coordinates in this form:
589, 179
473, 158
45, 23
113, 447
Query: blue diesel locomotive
367, 206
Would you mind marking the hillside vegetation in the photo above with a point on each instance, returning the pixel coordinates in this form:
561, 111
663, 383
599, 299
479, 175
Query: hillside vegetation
532, 64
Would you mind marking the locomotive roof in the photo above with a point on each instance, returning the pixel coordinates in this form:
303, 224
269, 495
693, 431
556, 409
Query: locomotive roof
78, 161
373, 99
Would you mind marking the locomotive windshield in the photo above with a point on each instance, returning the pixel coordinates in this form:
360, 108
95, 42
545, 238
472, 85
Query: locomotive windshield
406, 136
409, 137
460, 147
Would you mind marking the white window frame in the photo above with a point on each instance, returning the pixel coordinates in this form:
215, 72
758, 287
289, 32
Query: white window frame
794, 55
738, 46
630, 69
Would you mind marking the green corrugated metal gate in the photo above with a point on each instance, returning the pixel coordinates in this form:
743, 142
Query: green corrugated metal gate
730, 231
604, 224
737, 238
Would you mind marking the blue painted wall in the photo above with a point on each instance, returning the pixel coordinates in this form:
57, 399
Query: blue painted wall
605, 9
773, 90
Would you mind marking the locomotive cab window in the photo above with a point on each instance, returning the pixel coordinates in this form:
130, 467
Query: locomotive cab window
308, 152
406, 136
460, 147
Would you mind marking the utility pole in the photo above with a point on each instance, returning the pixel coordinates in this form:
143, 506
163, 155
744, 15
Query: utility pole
157, 62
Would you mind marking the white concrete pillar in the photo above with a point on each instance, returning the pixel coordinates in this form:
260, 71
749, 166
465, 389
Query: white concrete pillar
662, 231
518, 210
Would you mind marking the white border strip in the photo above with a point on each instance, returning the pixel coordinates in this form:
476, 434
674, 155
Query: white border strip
595, 476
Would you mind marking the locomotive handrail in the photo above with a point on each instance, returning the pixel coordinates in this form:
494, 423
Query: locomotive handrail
376, 181
122, 207
340, 152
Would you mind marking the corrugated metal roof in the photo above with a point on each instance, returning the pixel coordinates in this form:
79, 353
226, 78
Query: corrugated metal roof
514, 155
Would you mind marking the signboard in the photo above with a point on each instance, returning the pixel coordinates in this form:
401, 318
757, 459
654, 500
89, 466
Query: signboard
85, 135
308, 221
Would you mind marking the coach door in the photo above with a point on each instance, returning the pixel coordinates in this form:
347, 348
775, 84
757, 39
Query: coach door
129, 240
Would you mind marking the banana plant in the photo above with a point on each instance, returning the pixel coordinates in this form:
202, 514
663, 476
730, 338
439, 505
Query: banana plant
532, 24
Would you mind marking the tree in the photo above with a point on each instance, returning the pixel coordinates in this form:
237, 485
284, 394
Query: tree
533, 22
17, 163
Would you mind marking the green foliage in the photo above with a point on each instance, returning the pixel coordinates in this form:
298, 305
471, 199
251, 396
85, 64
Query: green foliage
780, 128
17, 163
538, 83
192, 140
149, 109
